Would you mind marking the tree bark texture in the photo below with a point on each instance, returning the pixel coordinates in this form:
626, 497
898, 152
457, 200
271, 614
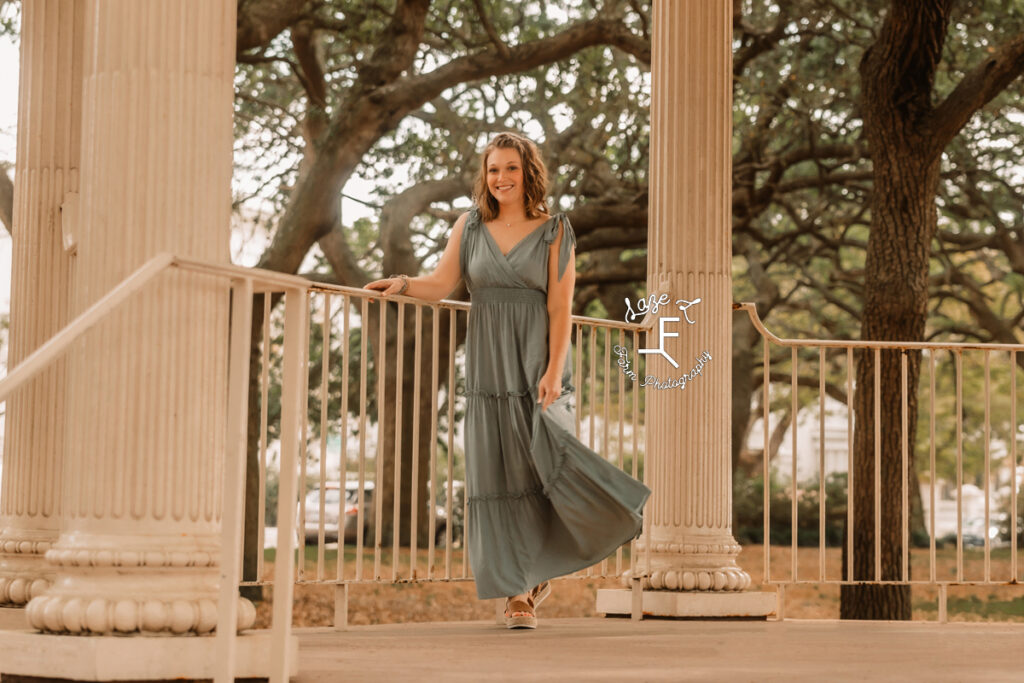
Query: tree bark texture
897, 73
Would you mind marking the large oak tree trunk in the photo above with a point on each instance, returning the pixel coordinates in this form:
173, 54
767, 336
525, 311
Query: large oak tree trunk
896, 297
896, 75
906, 132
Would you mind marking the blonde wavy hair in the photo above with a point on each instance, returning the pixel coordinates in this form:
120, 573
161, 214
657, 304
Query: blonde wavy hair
535, 177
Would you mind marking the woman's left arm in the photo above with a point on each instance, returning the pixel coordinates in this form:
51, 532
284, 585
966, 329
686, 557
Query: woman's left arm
560, 291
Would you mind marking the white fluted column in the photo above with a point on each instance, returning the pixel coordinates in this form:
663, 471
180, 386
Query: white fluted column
688, 545
145, 438
46, 176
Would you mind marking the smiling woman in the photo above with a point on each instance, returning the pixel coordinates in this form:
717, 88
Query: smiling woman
541, 503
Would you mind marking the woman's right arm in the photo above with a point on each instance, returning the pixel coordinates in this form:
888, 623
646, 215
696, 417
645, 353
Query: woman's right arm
438, 284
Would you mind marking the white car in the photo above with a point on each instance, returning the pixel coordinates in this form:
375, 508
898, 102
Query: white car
332, 497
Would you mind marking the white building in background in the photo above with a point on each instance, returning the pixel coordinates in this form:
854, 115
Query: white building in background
808, 443
837, 438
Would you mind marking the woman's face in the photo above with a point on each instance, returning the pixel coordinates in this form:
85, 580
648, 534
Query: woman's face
505, 176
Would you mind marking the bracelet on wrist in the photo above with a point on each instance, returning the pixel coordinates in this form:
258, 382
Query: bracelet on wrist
405, 282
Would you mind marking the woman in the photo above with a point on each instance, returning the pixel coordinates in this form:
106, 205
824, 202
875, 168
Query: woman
541, 504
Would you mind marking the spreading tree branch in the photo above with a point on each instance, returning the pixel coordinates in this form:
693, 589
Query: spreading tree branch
977, 88
260, 21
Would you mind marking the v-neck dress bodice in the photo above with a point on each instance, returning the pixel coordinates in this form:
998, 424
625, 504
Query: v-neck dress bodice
541, 504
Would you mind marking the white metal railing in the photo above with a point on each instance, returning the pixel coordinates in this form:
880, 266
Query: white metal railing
793, 577
244, 282
300, 295
337, 313
607, 401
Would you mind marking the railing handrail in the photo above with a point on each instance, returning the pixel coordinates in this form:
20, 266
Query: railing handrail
262, 279
755, 319
56, 345
325, 288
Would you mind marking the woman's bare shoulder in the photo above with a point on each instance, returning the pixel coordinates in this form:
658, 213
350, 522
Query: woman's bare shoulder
462, 223
459, 228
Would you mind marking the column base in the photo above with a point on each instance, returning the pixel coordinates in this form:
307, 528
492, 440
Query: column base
693, 605
24, 573
135, 658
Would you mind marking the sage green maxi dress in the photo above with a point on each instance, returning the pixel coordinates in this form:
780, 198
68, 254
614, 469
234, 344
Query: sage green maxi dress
541, 503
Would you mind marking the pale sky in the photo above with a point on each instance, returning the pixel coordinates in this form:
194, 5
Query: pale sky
8, 121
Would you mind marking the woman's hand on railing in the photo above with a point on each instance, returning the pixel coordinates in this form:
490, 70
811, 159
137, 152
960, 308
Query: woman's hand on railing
387, 286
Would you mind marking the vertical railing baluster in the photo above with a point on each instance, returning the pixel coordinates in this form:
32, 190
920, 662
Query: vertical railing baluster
264, 433
396, 525
821, 463
931, 465
300, 562
592, 392
364, 333
451, 444
904, 461
592, 388
850, 519
635, 391
959, 466
343, 463
577, 376
647, 470
450, 526
622, 420
434, 382
414, 482
293, 392
988, 466
233, 482
325, 364
465, 512
1013, 466
378, 475
877, 391
606, 371
766, 487
794, 407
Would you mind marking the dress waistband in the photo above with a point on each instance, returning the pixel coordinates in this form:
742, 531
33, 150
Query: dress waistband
486, 295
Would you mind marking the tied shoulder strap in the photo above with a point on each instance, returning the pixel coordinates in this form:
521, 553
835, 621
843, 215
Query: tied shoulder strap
469, 227
568, 240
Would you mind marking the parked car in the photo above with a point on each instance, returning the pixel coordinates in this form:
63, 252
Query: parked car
332, 495
458, 502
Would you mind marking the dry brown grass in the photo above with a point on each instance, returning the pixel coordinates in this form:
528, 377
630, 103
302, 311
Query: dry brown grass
455, 599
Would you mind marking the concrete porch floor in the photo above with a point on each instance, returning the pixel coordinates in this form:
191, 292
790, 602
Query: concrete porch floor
616, 649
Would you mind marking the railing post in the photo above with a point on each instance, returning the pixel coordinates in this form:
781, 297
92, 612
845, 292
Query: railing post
341, 591
292, 402
636, 611
234, 478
